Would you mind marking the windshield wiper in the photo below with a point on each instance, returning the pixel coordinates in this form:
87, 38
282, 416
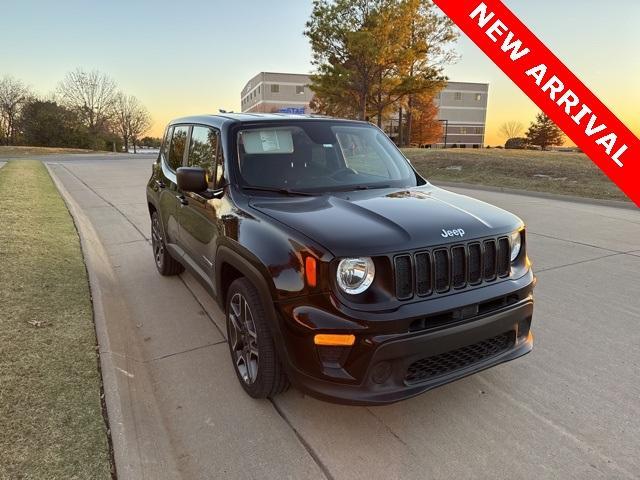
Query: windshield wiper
284, 191
362, 187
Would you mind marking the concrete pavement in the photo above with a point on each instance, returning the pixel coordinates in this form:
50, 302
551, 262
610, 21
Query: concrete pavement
570, 409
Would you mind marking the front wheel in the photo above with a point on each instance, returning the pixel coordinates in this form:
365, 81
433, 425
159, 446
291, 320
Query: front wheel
253, 352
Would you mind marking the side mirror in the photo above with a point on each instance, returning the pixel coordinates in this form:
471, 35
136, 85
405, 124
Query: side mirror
192, 179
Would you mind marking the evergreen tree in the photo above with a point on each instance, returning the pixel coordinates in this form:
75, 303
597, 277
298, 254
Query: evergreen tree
544, 133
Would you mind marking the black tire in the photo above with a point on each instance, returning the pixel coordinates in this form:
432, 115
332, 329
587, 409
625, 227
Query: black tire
165, 263
263, 375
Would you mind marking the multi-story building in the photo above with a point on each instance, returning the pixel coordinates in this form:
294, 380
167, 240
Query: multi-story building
462, 109
270, 92
462, 105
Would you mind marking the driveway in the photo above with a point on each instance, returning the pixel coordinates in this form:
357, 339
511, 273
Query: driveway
570, 409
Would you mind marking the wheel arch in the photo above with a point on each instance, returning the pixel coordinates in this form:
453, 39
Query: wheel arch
227, 258
230, 265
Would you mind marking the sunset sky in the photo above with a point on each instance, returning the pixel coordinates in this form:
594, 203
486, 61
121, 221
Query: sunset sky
195, 57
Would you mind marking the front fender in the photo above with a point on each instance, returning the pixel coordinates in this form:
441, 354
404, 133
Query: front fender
274, 251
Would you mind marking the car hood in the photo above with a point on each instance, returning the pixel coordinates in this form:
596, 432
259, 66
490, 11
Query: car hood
381, 221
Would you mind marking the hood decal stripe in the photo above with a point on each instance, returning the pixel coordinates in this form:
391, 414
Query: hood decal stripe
488, 225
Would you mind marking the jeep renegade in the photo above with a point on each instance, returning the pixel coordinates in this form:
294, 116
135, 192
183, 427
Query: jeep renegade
339, 268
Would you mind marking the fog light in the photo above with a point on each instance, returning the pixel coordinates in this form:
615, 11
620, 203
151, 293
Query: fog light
381, 372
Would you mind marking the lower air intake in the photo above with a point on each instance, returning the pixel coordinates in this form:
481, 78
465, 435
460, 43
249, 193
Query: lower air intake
444, 363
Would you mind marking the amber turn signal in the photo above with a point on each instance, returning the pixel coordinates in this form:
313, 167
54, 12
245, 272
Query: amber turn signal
310, 271
334, 340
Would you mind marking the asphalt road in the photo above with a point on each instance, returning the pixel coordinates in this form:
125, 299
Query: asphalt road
570, 409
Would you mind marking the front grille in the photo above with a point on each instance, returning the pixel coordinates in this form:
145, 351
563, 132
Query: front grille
442, 269
444, 363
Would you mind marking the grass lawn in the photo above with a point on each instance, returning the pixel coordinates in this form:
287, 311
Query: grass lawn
51, 423
11, 152
552, 172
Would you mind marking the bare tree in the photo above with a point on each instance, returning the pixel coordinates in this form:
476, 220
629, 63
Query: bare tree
511, 129
122, 118
140, 123
13, 95
92, 95
131, 119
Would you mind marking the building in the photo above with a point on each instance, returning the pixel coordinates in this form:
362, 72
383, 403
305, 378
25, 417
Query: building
462, 105
270, 92
463, 112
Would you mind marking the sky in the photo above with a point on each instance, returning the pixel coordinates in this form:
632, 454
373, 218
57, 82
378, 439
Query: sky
183, 58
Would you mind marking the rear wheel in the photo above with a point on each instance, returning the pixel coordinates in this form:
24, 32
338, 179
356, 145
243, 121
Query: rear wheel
253, 352
165, 263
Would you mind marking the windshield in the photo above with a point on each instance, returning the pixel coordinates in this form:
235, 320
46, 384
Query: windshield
321, 156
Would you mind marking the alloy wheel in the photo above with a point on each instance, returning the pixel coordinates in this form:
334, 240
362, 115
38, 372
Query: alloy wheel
156, 241
243, 338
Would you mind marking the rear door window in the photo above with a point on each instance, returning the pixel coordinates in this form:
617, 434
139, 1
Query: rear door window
178, 144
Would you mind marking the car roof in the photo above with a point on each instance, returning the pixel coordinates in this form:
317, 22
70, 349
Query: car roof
218, 119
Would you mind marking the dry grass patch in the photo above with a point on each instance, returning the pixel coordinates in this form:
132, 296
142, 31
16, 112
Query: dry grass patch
51, 419
551, 172
13, 152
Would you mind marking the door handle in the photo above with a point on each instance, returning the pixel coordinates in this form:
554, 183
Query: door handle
183, 199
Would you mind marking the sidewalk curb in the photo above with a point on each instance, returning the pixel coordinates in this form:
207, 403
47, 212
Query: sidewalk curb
119, 394
529, 193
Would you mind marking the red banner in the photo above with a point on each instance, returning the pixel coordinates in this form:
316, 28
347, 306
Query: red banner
552, 86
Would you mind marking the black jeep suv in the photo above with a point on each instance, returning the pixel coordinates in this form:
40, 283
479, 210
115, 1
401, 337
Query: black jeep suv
339, 268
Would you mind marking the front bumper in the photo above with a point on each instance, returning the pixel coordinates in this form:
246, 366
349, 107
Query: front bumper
375, 371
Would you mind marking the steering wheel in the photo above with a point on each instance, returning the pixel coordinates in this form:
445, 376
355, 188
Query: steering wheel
343, 170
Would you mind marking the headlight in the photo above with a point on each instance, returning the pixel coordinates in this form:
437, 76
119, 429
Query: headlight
355, 275
516, 245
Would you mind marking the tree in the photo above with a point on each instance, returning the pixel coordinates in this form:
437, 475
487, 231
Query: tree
92, 95
516, 143
426, 127
13, 95
140, 123
371, 54
344, 52
150, 142
511, 129
45, 123
543, 132
429, 41
122, 118
131, 119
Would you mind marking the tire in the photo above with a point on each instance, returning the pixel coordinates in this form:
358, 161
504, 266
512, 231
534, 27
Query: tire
165, 263
251, 345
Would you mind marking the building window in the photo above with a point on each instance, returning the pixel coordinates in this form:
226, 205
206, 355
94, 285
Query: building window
258, 90
458, 96
463, 130
300, 89
275, 88
478, 97
479, 130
